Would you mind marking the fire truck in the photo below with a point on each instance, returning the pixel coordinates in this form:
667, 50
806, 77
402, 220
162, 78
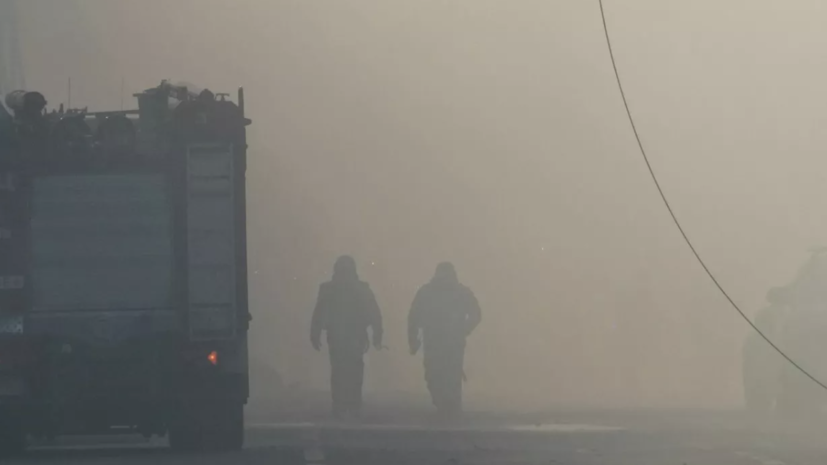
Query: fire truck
123, 269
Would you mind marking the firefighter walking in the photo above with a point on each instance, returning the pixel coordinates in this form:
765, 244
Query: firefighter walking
443, 314
346, 307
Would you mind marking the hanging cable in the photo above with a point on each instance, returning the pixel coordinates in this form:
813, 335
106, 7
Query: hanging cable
675, 218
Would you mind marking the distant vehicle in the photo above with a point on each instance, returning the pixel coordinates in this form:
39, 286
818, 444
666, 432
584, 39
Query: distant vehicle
804, 338
123, 269
796, 321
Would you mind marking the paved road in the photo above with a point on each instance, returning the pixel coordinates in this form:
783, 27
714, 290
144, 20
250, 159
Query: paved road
616, 440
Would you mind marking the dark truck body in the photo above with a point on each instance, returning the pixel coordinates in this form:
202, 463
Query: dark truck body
123, 270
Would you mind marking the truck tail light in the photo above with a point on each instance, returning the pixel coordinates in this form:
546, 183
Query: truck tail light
200, 356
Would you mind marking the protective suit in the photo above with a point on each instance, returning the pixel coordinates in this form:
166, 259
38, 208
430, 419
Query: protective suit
345, 308
445, 312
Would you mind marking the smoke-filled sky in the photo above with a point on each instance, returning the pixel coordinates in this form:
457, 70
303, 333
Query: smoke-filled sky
492, 134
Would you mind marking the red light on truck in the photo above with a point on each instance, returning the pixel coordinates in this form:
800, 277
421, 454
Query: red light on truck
213, 357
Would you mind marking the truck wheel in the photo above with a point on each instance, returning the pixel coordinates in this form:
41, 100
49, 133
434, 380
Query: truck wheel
182, 439
184, 433
210, 427
234, 435
224, 428
12, 435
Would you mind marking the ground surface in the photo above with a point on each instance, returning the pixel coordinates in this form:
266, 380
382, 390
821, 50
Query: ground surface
565, 438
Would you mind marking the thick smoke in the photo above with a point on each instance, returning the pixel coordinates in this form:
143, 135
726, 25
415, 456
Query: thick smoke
491, 134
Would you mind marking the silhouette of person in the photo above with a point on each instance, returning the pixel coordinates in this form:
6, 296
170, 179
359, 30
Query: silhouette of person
345, 308
445, 312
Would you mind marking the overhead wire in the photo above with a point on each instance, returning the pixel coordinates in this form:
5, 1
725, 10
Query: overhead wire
678, 223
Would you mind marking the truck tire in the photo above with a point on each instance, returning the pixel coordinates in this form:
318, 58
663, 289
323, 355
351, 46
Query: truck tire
225, 428
12, 434
235, 434
208, 427
184, 433
183, 438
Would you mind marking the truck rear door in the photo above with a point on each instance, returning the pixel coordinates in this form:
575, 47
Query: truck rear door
211, 226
